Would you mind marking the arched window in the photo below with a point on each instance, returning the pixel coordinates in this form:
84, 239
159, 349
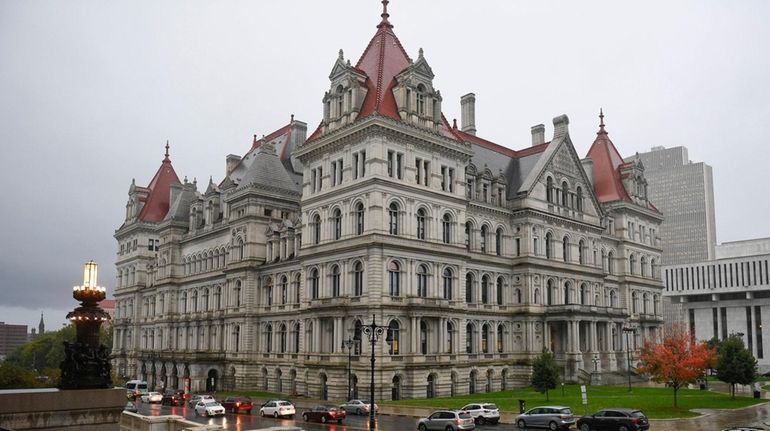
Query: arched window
484, 231
422, 281
357, 332
284, 290
421, 223
469, 288
359, 218
269, 291
499, 241
423, 338
470, 346
296, 338
566, 296
565, 248
634, 303
500, 338
468, 229
643, 266
517, 295
646, 303
218, 297
358, 279
446, 228
269, 338
449, 344
236, 338
613, 299
537, 296
296, 289
579, 198
564, 193
335, 281
485, 289
548, 246
549, 292
549, 189
653, 268
316, 225
446, 277
632, 264
393, 218
499, 292
485, 338
282, 339
313, 281
183, 303
656, 305
582, 252
237, 293
394, 279
611, 263
393, 337
337, 222
584, 294
420, 100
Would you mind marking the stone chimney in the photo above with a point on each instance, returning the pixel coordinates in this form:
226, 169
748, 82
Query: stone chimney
231, 162
468, 114
560, 127
588, 166
538, 135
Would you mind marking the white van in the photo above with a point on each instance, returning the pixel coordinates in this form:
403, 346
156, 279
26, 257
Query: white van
135, 388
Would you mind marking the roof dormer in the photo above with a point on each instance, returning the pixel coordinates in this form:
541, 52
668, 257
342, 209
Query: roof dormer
342, 103
417, 101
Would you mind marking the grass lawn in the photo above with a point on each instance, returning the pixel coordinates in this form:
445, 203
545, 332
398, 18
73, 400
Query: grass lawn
657, 403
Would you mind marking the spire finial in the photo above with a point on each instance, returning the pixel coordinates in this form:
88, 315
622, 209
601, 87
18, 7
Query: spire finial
385, 15
292, 118
167, 147
601, 123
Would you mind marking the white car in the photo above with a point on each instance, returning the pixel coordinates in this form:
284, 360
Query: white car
483, 413
278, 408
358, 407
205, 398
152, 397
209, 408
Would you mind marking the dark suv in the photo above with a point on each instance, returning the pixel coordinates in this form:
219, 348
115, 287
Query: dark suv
173, 398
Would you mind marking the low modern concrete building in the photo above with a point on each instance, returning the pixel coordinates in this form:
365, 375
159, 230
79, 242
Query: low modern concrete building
724, 296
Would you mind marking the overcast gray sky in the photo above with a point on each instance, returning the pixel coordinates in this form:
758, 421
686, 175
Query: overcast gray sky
91, 90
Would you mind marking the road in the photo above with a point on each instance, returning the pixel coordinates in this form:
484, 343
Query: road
244, 422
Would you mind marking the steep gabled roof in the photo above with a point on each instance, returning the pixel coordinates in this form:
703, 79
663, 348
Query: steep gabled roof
156, 206
381, 61
280, 139
606, 167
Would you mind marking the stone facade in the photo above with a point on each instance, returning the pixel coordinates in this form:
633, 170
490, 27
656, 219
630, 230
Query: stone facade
475, 256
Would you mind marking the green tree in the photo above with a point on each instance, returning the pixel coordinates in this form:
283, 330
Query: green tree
545, 373
735, 364
13, 376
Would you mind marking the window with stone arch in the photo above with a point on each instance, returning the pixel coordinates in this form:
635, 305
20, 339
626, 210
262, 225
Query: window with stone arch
549, 246
358, 279
634, 303
447, 277
653, 268
313, 282
469, 288
500, 339
582, 252
237, 293
393, 337
499, 291
422, 281
394, 278
296, 288
536, 295
646, 303
282, 338
485, 289
567, 293
484, 233
335, 279
470, 345
420, 99
549, 189
499, 241
269, 338
421, 222
564, 194
632, 264
643, 266
359, 217
613, 298
337, 223
284, 289
316, 227
446, 228
468, 230
584, 294
393, 218
611, 262
549, 292
449, 338
565, 248
579, 199
269, 290
485, 338
423, 337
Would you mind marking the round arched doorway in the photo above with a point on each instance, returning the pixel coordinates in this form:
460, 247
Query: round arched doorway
212, 380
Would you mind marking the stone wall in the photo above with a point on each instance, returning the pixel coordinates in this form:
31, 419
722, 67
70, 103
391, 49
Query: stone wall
55, 410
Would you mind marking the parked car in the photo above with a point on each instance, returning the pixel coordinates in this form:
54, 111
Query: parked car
130, 407
614, 419
238, 404
483, 413
173, 398
152, 397
278, 408
209, 408
201, 397
324, 414
552, 417
447, 420
359, 407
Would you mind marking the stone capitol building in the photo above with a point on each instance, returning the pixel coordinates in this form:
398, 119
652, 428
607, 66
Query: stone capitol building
475, 256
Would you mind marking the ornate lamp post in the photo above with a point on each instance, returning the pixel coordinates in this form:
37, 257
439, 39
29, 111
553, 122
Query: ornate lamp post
628, 331
86, 362
349, 343
373, 332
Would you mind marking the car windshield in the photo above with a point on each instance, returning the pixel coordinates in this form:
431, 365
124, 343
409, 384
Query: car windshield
490, 406
464, 415
211, 404
565, 411
638, 414
284, 403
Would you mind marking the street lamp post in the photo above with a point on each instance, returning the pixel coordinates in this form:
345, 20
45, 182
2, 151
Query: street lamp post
628, 331
373, 332
349, 343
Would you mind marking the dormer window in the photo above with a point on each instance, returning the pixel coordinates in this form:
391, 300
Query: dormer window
340, 99
420, 99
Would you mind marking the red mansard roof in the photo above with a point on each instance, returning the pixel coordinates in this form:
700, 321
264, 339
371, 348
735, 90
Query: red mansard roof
156, 206
473, 139
606, 168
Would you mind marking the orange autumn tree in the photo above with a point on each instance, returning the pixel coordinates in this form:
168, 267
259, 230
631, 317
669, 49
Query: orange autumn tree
677, 359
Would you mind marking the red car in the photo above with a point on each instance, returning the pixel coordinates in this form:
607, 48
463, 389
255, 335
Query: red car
324, 414
238, 404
